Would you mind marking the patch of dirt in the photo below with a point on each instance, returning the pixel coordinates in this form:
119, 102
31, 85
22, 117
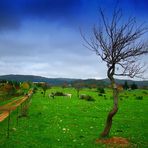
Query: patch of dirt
114, 142
5, 109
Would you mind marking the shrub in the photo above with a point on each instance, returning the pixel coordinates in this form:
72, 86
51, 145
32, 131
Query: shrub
139, 98
105, 97
8, 89
134, 86
144, 92
90, 99
125, 86
101, 90
59, 94
100, 94
87, 98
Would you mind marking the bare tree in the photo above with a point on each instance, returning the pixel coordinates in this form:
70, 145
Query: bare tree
119, 44
78, 86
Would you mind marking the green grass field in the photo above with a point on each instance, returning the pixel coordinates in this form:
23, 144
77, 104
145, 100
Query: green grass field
73, 123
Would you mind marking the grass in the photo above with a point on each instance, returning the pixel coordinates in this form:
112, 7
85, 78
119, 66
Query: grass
73, 123
9, 100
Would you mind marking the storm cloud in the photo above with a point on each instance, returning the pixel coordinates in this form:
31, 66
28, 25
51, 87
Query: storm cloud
12, 13
42, 37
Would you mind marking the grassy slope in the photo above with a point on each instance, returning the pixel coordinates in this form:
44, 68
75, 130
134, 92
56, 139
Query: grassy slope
74, 123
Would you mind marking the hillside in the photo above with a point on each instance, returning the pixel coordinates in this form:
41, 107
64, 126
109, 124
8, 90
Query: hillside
32, 78
59, 81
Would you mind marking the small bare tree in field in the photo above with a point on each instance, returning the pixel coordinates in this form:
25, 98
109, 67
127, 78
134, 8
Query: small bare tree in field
119, 45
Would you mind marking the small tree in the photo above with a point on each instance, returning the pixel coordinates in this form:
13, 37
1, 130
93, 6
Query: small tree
8, 90
25, 87
91, 86
44, 86
119, 45
101, 90
125, 86
78, 86
64, 85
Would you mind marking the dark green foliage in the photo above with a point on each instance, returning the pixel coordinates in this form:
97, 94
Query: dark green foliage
121, 97
87, 97
44, 86
59, 93
100, 94
134, 86
35, 88
90, 99
3, 81
144, 92
105, 97
139, 98
10, 82
12, 92
19, 92
101, 90
16, 84
125, 86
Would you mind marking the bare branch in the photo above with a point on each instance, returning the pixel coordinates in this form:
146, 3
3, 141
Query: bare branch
119, 43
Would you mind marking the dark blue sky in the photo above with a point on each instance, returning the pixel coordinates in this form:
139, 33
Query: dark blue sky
41, 37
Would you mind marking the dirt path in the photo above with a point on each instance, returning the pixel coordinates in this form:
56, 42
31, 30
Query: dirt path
7, 108
4, 115
114, 142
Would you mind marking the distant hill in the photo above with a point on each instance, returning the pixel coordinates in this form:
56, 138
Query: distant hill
122, 81
32, 78
59, 81
118, 81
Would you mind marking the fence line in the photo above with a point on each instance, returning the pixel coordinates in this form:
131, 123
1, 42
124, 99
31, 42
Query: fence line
6, 109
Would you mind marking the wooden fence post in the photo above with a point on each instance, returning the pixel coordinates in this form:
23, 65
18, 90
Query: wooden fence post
17, 116
8, 125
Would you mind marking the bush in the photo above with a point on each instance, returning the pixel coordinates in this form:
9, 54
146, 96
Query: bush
100, 94
144, 92
87, 98
105, 97
90, 99
101, 90
139, 98
8, 89
20, 92
134, 86
59, 94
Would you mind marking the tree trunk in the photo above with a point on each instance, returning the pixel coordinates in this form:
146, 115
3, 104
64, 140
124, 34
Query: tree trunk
112, 112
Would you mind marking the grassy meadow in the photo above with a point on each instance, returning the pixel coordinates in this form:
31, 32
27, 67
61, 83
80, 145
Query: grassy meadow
65, 122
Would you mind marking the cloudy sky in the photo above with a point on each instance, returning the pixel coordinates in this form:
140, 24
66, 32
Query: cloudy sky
42, 37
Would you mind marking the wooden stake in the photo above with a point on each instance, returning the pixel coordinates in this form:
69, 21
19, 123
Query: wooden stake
8, 125
17, 116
